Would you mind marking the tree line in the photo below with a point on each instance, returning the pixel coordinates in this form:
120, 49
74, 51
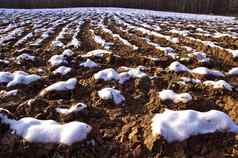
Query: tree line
193, 6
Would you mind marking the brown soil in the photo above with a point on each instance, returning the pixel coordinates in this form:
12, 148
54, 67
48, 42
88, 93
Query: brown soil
119, 131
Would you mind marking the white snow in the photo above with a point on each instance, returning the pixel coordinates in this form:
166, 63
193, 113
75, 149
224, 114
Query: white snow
201, 70
75, 42
111, 94
182, 33
178, 67
68, 52
106, 75
136, 73
73, 109
219, 35
99, 40
61, 86
127, 43
97, 53
61, 59
124, 76
233, 71
89, 64
201, 30
47, 131
111, 74
57, 44
23, 57
58, 41
57, 60
5, 77
176, 98
63, 70
233, 52
4, 61
168, 51
11, 35
131, 73
180, 125
23, 79
200, 56
9, 93
24, 39
191, 80
17, 78
206, 71
221, 84
126, 11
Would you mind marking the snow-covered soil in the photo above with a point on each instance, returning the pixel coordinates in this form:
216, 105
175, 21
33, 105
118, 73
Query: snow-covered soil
113, 82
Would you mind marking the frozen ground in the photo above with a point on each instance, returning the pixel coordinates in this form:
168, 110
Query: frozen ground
141, 12
113, 82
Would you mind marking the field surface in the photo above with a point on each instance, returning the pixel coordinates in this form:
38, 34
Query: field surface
111, 83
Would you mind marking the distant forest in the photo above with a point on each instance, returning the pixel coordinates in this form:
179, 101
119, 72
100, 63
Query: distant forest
193, 6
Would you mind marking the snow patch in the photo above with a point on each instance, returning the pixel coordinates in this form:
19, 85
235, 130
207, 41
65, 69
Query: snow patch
73, 109
200, 56
221, 84
62, 70
106, 75
24, 57
178, 67
185, 80
180, 125
131, 73
57, 60
89, 64
70, 84
4, 61
233, 71
206, 71
68, 52
233, 52
17, 78
168, 51
176, 98
111, 74
57, 44
182, 33
111, 94
47, 131
96, 53
9, 93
